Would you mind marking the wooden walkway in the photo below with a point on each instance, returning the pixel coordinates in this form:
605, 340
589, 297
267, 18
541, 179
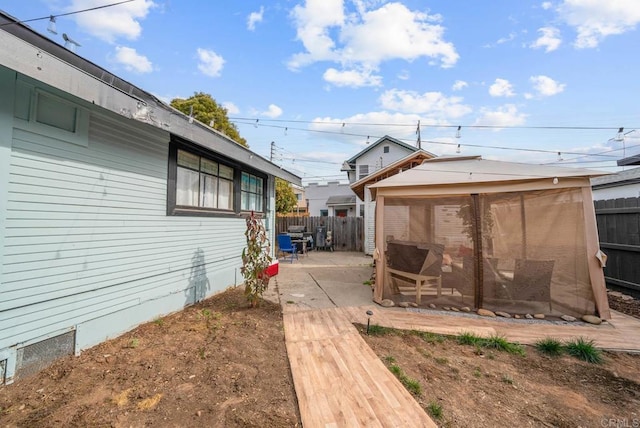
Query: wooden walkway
339, 380
620, 333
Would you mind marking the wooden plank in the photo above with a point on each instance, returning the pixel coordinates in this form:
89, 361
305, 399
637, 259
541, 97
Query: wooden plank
338, 379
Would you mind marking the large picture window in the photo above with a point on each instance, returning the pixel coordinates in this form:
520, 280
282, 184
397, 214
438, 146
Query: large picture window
202, 182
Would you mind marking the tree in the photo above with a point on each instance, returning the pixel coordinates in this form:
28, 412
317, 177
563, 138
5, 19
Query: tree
209, 112
285, 198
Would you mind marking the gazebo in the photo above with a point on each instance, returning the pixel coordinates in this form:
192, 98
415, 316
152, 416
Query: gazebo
471, 233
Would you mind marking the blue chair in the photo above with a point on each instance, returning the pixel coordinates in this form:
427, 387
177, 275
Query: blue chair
285, 246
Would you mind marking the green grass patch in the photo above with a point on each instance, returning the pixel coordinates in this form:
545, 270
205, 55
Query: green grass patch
506, 378
412, 385
377, 330
492, 342
442, 360
477, 372
468, 338
549, 346
584, 349
428, 336
435, 410
389, 359
367, 282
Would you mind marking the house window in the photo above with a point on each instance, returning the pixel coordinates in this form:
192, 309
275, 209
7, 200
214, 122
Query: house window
252, 192
363, 171
203, 183
385, 149
324, 213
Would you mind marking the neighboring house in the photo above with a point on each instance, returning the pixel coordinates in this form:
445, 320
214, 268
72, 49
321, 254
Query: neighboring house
115, 209
375, 157
624, 184
361, 189
331, 199
301, 201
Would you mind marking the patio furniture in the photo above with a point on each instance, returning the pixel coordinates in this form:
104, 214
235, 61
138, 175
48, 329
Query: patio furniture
531, 281
286, 246
417, 262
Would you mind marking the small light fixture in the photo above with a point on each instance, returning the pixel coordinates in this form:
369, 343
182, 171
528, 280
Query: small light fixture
255, 125
555, 180
369, 315
285, 131
620, 135
367, 139
458, 132
458, 149
69, 43
560, 157
52, 25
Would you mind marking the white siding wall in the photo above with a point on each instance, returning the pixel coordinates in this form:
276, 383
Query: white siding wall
88, 244
626, 191
369, 222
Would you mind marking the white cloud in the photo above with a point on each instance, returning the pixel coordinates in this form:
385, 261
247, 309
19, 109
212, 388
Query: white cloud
210, 62
352, 78
506, 115
231, 107
367, 37
501, 88
254, 18
459, 85
272, 112
111, 23
594, 20
549, 39
430, 103
132, 60
547, 5
546, 86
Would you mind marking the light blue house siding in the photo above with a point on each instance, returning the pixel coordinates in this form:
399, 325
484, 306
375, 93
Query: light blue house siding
87, 250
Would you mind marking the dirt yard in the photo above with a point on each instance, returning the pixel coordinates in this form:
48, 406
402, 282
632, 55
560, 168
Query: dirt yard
220, 364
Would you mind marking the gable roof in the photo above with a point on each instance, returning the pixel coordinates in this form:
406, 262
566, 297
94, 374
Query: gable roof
385, 139
62, 69
407, 162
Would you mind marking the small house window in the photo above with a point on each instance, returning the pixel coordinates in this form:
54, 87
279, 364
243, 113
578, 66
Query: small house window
363, 171
385, 149
252, 192
324, 213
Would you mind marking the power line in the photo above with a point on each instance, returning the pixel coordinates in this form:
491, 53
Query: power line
436, 142
66, 14
412, 125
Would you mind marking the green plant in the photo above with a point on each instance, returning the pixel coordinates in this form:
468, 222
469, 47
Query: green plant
468, 338
442, 360
428, 336
255, 260
389, 359
506, 378
585, 350
435, 410
378, 330
159, 322
133, 343
290, 302
412, 385
367, 282
549, 346
477, 372
501, 343
206, 313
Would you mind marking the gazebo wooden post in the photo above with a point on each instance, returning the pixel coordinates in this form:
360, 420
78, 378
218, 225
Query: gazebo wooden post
477, 250
379, 256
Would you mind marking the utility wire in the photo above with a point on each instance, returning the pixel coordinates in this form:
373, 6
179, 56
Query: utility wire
66, 14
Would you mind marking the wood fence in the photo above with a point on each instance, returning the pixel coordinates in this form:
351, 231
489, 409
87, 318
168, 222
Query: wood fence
347, 232
619, 230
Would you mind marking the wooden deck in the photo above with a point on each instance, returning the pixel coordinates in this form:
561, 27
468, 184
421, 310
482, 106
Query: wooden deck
621, 333
339, 380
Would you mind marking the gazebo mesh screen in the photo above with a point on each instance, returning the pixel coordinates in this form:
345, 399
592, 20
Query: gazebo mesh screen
520, 252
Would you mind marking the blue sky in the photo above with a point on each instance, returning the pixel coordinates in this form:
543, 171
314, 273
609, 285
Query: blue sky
523, 79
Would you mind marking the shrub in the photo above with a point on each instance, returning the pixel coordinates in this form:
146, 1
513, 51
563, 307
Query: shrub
435, 410
585, 350
549, 346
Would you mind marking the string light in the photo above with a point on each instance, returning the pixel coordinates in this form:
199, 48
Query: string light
458, 133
